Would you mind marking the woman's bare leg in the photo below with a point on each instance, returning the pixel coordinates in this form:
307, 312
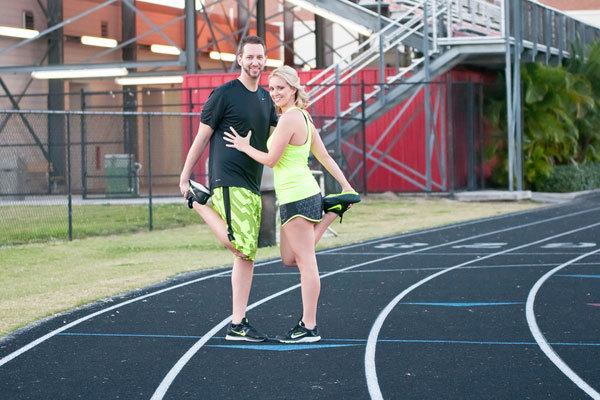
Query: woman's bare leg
319, 229
299, 236
321, 226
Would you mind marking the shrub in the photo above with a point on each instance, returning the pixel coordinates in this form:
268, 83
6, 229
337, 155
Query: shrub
572, 178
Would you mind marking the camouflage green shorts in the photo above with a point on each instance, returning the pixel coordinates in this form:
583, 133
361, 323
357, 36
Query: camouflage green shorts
245, 217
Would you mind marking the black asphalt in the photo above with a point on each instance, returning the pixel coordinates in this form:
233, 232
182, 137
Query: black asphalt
436, 314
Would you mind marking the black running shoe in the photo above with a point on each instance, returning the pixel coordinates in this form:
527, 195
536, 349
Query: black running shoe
244, 331
338, 203
197, 193
299, 334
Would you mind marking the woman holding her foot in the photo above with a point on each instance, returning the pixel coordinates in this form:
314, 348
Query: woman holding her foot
301, 206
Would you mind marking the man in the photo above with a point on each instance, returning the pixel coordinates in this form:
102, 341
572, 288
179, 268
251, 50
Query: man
234, 177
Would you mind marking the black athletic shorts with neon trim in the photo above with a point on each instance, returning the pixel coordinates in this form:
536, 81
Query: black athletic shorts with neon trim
310, 208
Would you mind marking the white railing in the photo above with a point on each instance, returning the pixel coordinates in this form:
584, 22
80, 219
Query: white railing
456, 18
474, 17
392, 35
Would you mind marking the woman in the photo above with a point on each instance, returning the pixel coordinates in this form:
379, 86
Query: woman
301, 206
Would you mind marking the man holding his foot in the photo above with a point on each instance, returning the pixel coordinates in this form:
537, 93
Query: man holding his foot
234, 177
301, 207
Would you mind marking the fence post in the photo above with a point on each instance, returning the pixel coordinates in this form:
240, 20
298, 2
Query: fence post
481, 137
338, 115
363, 123
331, 185
83, 153
470, 136
69, 194
450, 105
190, 117
149, 149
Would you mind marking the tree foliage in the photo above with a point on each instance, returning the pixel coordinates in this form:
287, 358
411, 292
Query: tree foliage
561, 117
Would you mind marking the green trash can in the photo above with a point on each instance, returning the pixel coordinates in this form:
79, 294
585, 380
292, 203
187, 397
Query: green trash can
122, 179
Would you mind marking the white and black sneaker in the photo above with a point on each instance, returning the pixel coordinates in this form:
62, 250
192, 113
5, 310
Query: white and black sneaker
300, 334
197, 193
244, 331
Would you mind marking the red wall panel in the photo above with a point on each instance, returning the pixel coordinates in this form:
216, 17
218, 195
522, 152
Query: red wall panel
400, 154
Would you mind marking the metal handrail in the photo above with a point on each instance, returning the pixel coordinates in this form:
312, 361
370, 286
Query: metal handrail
365, 50
483, 19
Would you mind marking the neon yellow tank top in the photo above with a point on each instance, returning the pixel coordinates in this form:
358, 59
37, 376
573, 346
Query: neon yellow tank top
292, 178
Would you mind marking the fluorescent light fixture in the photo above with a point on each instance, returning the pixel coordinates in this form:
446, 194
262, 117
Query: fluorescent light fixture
79, 73
149, 80
331, 16
273, 62
98, 41
173, 3
18, 32
164, 49
215, 55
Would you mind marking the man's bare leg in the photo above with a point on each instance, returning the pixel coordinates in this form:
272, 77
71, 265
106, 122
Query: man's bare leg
241, 274
241, 282
217, 226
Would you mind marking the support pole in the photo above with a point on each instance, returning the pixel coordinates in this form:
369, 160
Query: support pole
129, 53
517, 94
509, 109
261, 27
288, 34
190, 37
428, 144
381, 58
323, 36
56, 95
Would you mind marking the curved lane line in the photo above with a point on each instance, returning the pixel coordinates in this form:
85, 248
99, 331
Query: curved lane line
541, 339
63, 328
167, 381
370, 368
49, 335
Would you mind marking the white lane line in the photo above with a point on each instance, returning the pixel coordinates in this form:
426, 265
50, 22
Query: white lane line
49, 335
417, 269
456, 254
63, 328
541, 339
370, 368
454, 225
176, 369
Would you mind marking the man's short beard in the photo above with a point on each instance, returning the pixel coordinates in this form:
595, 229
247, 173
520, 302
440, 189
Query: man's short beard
247, 71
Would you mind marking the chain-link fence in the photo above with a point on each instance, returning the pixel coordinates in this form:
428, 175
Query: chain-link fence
59, 168
72, 174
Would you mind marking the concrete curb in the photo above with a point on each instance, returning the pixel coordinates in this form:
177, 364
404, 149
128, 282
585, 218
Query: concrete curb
505, 195
493, 195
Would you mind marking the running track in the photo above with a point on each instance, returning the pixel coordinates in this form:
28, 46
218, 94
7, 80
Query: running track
499, 308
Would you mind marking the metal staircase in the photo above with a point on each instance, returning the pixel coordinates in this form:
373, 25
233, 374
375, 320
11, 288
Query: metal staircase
444, 33
469, 17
